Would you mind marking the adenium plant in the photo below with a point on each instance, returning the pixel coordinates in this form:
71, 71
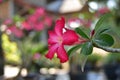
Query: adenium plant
12, 28
79, 39
38, 20
25, 31
59, 37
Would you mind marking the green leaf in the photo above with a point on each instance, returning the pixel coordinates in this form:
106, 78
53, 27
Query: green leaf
104, 40
83, 60
81, 33
73, 49
104, 30
101, 31
87, 48
101, 20
31, 10
18, 18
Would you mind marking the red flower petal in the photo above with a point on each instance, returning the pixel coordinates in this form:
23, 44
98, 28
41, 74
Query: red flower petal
70, 37
52, 50
61, 54
52, 37
59, 26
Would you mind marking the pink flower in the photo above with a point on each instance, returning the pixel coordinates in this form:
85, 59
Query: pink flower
57, 40
37, 21
33, 23
36, 56
32, 18
40, 11
8, 22
38, 26
48, 21
102, 11
26, 25
16, 31
1, 1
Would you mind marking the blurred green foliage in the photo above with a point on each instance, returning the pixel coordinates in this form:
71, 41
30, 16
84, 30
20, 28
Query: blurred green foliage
112, 58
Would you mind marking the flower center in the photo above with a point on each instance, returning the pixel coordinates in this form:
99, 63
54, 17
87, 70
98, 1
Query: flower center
60, 40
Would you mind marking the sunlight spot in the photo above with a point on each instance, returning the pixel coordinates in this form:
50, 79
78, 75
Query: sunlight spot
111, 4
24, 72
93, 5
52, 71
10, 71
44, 70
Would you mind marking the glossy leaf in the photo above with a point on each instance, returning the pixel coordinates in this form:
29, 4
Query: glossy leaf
104, 40
87, 48
81, 33
101, 31
101, 20
104, 30
73, 49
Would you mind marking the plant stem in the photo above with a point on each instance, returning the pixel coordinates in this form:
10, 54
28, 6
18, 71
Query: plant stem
108, 49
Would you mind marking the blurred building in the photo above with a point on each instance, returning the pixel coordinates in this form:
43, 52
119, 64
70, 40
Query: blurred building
6, 9
9, 8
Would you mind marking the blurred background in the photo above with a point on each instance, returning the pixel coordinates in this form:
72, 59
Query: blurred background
23, 39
